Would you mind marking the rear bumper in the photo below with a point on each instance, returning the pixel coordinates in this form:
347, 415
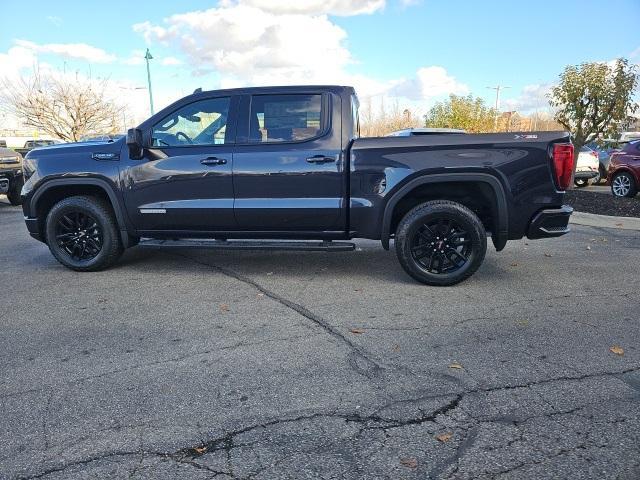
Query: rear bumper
585, 175
552, 222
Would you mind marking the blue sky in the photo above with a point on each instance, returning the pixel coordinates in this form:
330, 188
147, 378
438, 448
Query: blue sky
418, 51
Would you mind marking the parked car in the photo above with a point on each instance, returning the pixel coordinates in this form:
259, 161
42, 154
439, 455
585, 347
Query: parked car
624, 170
102, 138
3, 144
223, 169
408, 132
11, 178
587, 167
604, 149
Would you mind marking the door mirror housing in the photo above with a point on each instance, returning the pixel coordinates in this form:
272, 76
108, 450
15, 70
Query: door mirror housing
135, 143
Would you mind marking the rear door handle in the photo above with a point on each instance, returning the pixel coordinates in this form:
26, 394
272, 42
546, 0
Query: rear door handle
213, 161
321, 159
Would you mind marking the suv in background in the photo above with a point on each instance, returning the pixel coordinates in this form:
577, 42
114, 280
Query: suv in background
624, 170
587, 167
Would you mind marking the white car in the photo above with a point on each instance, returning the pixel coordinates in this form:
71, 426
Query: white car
586, 167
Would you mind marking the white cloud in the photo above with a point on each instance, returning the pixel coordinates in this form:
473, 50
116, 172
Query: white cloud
171, 61
69, 50
135, 58
57, 21
247, 44
15, 60
312, 7
430, 82
635, 53
532, 97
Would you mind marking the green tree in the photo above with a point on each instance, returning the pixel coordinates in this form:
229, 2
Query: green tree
468, 113
594, 99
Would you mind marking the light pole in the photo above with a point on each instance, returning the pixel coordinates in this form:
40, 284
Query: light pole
148, 57
497, 88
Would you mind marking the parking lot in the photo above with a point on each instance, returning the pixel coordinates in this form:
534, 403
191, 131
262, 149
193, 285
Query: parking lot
201, 364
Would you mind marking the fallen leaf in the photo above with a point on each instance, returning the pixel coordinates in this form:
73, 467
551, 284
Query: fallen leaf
357, 331
269, 274
357, 289
548, 254
456, 366
588, 247
617, 350
409, 462
444, 437
619, 224
200, 450
261, 294
514, 264
224, 307
396, 348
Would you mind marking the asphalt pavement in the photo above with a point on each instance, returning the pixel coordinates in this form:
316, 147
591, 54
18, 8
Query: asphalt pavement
266, 365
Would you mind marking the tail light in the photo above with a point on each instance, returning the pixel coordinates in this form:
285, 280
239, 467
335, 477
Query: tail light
563, 163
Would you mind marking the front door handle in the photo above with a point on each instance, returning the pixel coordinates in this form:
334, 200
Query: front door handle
321, 159
213, 161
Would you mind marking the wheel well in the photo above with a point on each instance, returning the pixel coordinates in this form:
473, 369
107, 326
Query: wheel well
54, 194
479, 197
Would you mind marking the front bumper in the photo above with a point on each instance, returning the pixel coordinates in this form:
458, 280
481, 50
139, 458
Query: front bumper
552, 222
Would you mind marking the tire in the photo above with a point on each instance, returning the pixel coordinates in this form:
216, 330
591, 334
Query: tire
82, 234
581, 182
427, 228
623, 185
13, 195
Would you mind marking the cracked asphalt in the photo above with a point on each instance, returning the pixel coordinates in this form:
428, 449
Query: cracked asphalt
202, 364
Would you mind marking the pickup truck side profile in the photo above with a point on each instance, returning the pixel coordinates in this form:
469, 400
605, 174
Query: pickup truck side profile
284, 168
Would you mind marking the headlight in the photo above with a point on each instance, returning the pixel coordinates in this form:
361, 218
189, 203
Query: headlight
15, 159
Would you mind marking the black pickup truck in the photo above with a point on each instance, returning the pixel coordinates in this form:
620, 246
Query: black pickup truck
284, 168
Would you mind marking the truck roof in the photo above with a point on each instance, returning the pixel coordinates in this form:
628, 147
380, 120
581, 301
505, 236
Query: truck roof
278, 89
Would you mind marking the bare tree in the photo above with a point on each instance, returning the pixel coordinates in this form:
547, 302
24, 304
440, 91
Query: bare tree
61, 105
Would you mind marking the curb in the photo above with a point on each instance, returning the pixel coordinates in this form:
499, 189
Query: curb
605, 221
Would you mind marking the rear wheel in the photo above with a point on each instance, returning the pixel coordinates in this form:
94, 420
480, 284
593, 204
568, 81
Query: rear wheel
624, 185
82, 234
440, 243
581, 182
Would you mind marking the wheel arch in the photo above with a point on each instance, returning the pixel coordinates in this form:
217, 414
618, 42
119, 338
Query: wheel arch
500, 210
55, 190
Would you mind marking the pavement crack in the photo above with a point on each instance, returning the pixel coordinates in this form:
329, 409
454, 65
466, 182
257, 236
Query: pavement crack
361, 360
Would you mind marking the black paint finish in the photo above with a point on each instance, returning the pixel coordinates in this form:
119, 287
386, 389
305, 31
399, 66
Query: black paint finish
334, 186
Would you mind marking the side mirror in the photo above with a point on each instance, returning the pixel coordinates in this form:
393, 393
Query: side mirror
135, 143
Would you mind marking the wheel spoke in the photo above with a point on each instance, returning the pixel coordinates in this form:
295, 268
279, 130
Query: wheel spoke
78, 235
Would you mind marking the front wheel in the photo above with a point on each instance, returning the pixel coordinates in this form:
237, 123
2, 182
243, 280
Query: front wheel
440, 243
624, 185
82, 234
13, 195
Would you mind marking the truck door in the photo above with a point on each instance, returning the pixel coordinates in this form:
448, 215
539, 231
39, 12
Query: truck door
288, 172
184, 183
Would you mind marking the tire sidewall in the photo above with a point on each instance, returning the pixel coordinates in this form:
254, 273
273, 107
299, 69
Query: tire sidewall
632, 185
425, 213
84, 206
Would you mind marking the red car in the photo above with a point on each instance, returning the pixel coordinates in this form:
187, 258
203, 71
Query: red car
624, 170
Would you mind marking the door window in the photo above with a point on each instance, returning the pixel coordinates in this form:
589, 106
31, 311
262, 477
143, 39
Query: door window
199, 123
284, 118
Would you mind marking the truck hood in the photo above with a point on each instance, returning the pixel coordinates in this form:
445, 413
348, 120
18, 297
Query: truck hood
77, 147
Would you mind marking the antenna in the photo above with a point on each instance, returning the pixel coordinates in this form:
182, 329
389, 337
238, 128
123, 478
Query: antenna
197, 90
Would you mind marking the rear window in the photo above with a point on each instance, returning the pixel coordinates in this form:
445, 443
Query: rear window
285, 118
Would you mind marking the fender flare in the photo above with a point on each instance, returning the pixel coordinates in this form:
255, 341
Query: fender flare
116, 204
502, 211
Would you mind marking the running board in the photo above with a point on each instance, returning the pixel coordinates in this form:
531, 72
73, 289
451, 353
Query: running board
327, 246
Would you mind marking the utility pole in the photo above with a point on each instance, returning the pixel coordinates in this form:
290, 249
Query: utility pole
497, 88
148, 57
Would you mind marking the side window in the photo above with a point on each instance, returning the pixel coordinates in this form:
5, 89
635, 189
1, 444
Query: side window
284, 118
355, 117
199, 123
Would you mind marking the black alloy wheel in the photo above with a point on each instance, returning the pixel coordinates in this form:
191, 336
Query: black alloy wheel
441, 246
82, 233
79, 235
440, 242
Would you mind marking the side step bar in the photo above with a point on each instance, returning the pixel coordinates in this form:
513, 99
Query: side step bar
326, 246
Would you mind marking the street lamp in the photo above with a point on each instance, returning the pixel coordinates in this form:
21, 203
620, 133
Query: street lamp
497, 88
148, 57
